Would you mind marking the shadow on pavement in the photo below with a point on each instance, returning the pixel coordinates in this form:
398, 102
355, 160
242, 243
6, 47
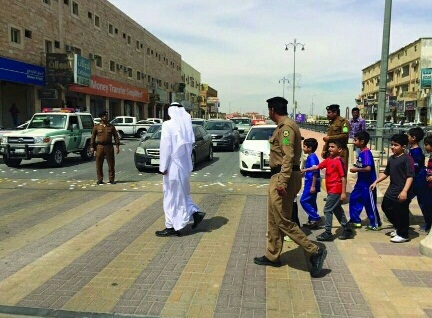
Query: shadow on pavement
207, 225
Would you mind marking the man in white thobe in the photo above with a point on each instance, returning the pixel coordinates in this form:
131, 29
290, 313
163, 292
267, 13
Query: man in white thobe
176, 145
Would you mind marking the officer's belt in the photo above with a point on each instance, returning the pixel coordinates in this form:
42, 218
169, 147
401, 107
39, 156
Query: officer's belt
277, 169
104, 143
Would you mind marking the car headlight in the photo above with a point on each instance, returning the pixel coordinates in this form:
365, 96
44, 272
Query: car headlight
39, 140
248, 152
140, 151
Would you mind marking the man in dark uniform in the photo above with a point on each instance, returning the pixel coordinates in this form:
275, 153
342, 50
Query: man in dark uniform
338, 129
102, 140
285, 183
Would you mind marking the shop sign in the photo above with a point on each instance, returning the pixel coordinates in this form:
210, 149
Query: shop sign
19, 72
426, 78
400, 107
82, 70
48, 93
410, 105
100, 86
59, 68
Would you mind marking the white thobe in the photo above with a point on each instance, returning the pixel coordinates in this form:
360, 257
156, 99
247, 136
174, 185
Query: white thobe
178, 204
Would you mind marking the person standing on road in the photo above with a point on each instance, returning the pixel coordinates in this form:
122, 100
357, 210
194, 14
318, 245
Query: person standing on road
102, 141
338, 129
357, 124
285, 183
177, 138
14, 114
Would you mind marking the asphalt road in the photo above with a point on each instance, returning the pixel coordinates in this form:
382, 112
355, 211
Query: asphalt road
223, 168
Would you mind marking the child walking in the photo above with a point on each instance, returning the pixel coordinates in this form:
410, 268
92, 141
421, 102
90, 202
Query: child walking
361, 196
420, 185
335, 179
428, 203
312, 184
395, 204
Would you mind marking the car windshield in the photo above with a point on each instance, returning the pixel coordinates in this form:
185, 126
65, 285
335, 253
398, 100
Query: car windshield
217, 125
198, 122
153, 128
260, 133
242, 121
48, 121
157, 135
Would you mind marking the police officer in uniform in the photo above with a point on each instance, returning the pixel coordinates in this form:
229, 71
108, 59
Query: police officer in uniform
338, 129
102, 141
285, 183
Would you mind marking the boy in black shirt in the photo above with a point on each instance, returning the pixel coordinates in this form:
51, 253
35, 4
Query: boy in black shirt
395, 204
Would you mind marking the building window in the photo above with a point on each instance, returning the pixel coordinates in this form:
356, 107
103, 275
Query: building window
137, 45
28, 34
116, 31
75, 8
112, 66
110, 29
97, 21
129, 72
98, 60
66, 2
57, 44
148, 51
129, 40
15, 35
405, 71
47, 2
138, 75
48, 46
90, 15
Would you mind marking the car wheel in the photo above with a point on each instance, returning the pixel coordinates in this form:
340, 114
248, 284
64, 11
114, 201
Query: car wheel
86, 154
141, 169
12, 163
210, 155
243, 173
193, 158
56, 158
140, 133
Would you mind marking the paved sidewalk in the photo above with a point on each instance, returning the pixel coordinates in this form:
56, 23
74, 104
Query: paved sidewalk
92, 252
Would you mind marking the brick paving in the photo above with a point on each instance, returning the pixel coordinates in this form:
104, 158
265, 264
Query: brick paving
93, 253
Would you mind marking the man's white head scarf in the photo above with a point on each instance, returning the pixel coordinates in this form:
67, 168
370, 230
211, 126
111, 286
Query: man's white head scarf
183, 125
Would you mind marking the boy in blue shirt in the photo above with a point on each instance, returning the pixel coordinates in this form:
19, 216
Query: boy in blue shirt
312, 184
361, 196
420, 185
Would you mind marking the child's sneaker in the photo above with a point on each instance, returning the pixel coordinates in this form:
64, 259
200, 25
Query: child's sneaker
347, 234
325, 236
398, 239
373, 228
356, 225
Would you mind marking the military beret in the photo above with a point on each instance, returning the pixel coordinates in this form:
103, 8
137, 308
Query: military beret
277, 101
333, 107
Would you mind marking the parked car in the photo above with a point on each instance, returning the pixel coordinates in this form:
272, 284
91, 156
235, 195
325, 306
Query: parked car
255, 151
130, 126
198, 121
147, 154
370, 124
152, 129
155, 120
96, 120
244, 124
224, 133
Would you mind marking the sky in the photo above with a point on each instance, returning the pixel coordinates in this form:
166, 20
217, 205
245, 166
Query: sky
238, 46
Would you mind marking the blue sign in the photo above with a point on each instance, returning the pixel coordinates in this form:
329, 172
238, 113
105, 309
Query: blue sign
82, 70
15, 71
426, 78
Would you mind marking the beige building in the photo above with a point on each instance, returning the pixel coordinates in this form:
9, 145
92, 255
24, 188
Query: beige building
209, 101
408, 84
132, 71
191, 96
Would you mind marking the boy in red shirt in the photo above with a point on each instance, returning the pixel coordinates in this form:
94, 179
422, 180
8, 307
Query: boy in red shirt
335, 179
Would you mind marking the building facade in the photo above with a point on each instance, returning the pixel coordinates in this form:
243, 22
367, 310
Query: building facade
408, 85
190, 96
209, 101
132, 71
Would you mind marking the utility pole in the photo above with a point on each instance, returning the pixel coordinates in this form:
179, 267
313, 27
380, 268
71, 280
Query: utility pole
294, 45
383, 75
283, 80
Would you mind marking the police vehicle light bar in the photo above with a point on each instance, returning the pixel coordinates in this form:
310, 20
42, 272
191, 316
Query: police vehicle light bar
58, 110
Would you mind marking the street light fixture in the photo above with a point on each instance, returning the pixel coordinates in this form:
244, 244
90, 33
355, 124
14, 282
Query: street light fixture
294, 45
283, 80
312, 106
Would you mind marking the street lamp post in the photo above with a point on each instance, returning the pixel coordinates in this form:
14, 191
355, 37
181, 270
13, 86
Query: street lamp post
312, 106
294, 45
283, 80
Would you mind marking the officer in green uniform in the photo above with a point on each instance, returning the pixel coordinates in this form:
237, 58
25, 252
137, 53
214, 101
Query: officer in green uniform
338, 129
285, 183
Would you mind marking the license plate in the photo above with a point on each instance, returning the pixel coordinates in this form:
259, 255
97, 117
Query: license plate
19, 150
155, 161
215, 144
